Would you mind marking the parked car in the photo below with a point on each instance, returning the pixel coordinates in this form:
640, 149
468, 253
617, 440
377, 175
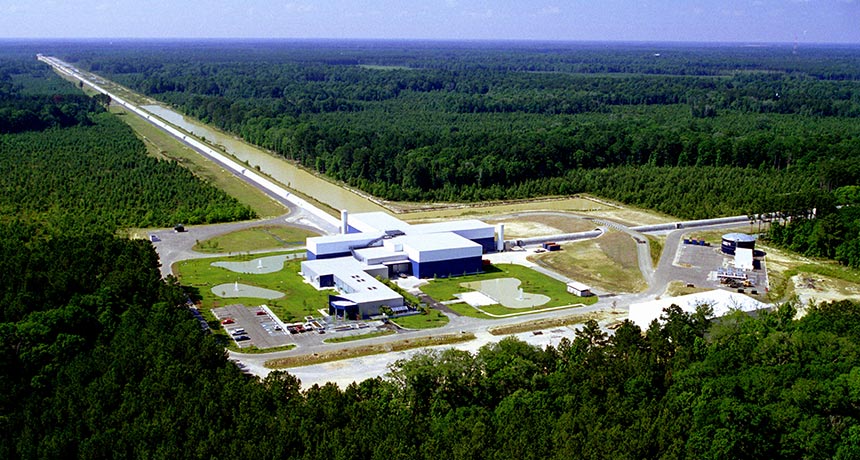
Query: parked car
241, 338
227, 321
261, 313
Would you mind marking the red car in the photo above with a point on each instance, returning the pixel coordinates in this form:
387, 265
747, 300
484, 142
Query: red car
261, 313
227, 321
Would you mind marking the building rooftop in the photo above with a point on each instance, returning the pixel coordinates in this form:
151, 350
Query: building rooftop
361, 287
579, 286
453, 226
377, 222
738, 237
377, 252
722, 302
439, 241
340, 237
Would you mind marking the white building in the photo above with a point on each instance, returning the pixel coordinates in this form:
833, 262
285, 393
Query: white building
377, 244
722, 302
579, 289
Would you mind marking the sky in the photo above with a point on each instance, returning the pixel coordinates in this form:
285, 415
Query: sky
781, 21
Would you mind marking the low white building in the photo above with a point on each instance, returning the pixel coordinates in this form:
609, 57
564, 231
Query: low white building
722, 302
579, 289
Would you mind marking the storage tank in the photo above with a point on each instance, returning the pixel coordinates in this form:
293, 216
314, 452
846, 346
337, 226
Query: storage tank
733, 241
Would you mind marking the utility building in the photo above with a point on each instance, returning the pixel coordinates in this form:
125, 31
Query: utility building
377, 244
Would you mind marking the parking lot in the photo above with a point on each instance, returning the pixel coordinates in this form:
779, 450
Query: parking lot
252, 326
259, 327
702, 262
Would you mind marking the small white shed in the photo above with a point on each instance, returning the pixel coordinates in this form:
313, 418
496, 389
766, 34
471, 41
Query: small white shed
579, 289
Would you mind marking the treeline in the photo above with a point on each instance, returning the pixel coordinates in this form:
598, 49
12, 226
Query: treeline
102, 175
830, 232
88, 166
451, 121
101, 359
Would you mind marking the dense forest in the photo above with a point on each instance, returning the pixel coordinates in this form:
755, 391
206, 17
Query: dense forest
477, 121
102, 360
64, 158
832, 232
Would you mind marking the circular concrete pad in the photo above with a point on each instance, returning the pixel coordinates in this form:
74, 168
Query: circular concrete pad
243, 290
506, 292
260, 265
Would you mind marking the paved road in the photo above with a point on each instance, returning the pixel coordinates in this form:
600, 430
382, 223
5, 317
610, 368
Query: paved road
174, 247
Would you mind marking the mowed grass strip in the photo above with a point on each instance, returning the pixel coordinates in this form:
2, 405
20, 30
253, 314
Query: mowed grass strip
253, 350
367, 350
255, 239
655, 245
543, 324
608, 263
433, 319
353, 338
300, 299
464, 309
161, 145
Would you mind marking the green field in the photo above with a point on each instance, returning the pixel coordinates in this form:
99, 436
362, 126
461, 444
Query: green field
300, 299
531, 281
255, 239
464, 309
433, 318
609, 263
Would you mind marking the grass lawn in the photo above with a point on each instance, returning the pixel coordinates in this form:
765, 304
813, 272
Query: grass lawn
257, 238
608, 263
300, 299
161, 145
433, 318
655, 245
531, 281
464, 309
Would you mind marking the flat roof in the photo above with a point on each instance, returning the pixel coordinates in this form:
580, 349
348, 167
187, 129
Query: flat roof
738, 237
579, 286
722, 302
377, 252
338, 237
453, 226
439, 241
351, 272
377, 221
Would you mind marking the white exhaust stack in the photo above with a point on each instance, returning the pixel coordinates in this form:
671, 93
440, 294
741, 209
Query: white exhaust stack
344, 219
500, 243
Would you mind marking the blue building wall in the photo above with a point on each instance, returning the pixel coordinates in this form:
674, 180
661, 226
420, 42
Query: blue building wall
311, 256
350, 311
489, 244
446, 268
